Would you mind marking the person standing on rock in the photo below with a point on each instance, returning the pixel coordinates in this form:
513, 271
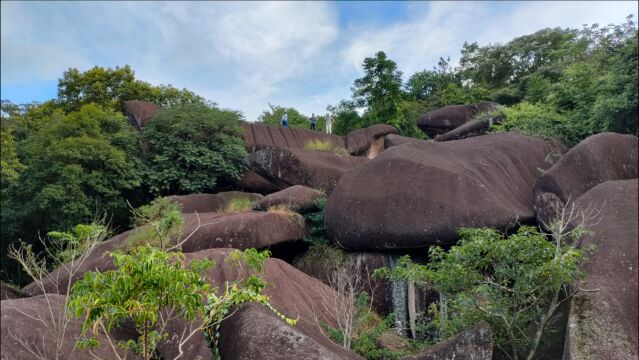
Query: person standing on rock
285, 120
329, 123
313, 120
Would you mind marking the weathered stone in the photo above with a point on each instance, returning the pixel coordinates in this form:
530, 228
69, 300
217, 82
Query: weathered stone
203, 203
418, 194
473, 344
394, 140
298, 198
258, 137
599, 158
366, 141
139, 112
603, 323
449, 117
470, 129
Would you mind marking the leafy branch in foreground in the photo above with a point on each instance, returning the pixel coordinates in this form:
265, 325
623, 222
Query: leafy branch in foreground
515, 282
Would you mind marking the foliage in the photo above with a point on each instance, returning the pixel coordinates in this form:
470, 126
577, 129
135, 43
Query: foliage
321, 259
110, 88
159, 221
284, 210
514, 282
539, 120
10, 165
70, 245
193, 148
346, 117
237, 204
145, 282
325, 145
79, 165
295, 118
315, 223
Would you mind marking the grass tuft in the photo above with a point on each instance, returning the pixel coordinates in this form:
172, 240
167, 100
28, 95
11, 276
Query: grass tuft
238, 204
325, 145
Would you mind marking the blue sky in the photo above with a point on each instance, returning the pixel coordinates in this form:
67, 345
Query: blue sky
246, 55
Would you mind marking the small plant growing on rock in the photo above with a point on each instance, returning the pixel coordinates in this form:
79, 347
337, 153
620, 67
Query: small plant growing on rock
325, 145
237, 204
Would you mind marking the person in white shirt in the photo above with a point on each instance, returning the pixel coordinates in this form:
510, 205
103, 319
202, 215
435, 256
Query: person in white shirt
329, 124
285, 120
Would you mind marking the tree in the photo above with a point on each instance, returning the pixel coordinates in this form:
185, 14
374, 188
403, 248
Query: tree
515, 282
111, 87
193, 148
346, 117
80, 165
295, 118
380, 88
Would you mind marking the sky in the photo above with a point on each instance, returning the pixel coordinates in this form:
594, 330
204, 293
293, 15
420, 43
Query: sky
245, 55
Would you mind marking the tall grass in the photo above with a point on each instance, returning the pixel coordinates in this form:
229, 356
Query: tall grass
238, 204
325, 145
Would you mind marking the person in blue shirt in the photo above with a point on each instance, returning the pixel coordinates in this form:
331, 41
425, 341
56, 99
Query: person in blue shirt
313, 121
285, 120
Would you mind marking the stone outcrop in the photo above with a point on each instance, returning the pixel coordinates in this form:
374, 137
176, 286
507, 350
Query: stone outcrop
298, 198
316, 169
598, 158
449, 117
139, 112
473, 344
603, 324
368, 141
28, 328
394, 140
203, 203
259, 136
470, 129
418, 194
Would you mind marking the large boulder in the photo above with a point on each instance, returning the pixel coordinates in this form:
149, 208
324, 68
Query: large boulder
603, 323
298, 198
368, 141
200, 231
391, 140
139, 112
473, 344
418, 194
599, 158
315, 169
470, 129
258, 137
291, 292
449, 117
256, 183
203, 203
31, 328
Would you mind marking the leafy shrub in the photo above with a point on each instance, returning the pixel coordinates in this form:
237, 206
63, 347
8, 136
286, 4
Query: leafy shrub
193, 148
157, 222
538, 120
325, 145
315, 223
237, 204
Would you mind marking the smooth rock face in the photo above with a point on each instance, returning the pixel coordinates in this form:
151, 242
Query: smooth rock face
298, 198
254, 182
216, 230
418, 194
473, 344
316, 169
599, 158
139, 112
449, 117
290, 291
359, 142
203, 203
469, 129
258, 137
394, 140
23, 335
603, 324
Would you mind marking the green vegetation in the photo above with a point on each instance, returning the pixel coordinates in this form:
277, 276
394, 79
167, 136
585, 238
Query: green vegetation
193, 148
325, 145
515, 282
315, 223
237, 204
157, 223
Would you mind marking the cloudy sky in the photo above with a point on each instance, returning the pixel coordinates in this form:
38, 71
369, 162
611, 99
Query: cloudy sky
246, 55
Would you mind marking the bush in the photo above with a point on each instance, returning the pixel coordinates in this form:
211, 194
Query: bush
315, 223
193, 148
325, 145
284, 210
537, 120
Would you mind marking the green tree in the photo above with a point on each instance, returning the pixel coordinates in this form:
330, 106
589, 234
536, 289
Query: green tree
295, 118
345, 117
193, 148
10, 166
111, 87
379, 89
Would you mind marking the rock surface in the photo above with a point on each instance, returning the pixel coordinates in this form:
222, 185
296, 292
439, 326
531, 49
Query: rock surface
139, 112
23, 336
258, 137
316, 169
290, 291
361, 142
603, 324
598, 158
7, 292
418, 194
394, 140
469, 129
298, 198
203, 203
449, 117
473, 344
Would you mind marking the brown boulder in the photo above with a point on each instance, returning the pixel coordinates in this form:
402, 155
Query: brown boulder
599, 158
315, 169
470, 129
298, 198
203, 203
28, 331
449, 117
290, 291
603, 324
139, 112
258, 137
473, 344
418, 194
254, 182
369, 141
394, 140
